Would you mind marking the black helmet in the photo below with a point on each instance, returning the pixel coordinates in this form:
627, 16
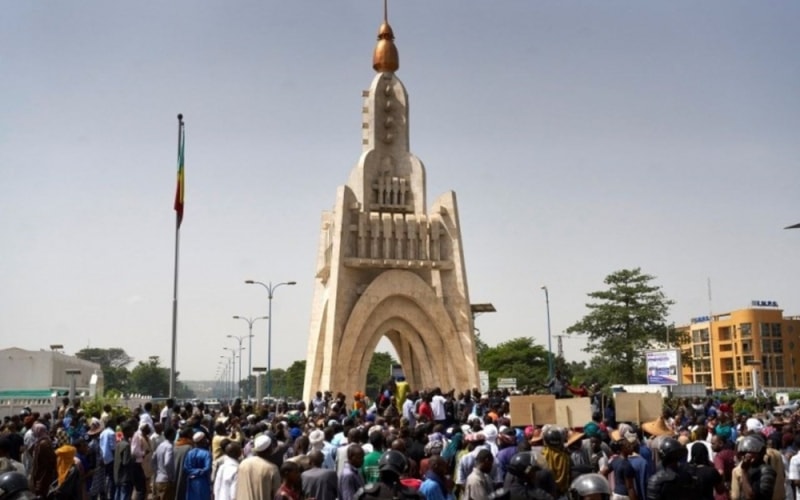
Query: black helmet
671, 449
554, 437
589, 484
521, 463
14, 485
394, 461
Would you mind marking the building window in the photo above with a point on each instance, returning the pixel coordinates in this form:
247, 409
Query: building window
779, 382
777, 346
776, 329
739, 379
766, 345
725, 347
745, 329
764, 329
779, 362
700, 335
746, 346
738, 363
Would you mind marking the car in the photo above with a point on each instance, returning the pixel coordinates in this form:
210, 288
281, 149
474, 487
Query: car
787, 409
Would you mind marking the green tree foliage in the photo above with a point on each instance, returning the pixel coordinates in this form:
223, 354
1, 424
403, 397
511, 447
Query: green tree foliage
519, 358
625, 320
113, 362
150, 378
295, 378
379, 372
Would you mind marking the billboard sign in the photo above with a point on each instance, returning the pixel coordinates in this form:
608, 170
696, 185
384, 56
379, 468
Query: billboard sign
483, 376
663, 367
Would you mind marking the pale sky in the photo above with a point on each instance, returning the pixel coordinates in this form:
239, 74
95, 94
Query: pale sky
580, 137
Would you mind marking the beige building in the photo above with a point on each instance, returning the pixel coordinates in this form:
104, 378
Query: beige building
389, 266
727, 348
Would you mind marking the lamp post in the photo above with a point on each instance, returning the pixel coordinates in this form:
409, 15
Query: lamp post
271, 291
549, 337
233, 369
239, 338
250, 322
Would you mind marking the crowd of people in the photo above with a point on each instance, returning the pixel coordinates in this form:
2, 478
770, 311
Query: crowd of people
400, 444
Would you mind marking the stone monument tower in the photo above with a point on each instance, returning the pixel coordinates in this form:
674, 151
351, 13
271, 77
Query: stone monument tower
387, 266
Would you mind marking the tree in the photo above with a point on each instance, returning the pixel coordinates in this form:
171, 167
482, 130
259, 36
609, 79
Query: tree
378, 373
519, 358
627, 319
295, 378
113, 357
113, 362
149, 378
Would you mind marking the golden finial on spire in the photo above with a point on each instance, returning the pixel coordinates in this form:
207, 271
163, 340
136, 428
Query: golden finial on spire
385, 57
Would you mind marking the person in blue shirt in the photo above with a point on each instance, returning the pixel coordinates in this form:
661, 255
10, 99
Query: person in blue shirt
197, 466
106, 444
434, 487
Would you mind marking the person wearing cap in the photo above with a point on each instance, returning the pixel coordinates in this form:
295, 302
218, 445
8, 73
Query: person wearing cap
197, 466
258, 477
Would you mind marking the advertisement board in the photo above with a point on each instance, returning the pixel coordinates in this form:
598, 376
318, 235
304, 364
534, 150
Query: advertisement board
663, 367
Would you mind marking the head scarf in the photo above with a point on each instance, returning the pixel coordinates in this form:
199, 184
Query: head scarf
65, 459
39, 430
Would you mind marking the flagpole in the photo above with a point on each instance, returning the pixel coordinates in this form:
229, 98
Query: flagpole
178, 216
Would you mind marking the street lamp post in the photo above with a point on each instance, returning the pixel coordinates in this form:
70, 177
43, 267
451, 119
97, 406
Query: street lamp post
549, 337
239, 338
270, 290
250, 322
233, 369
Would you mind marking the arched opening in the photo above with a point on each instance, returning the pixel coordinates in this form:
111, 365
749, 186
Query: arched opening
384, 361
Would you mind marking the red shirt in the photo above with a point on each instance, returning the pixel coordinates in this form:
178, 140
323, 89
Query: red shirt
425, 411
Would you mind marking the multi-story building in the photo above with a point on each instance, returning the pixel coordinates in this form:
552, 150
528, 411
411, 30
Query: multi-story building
727, 349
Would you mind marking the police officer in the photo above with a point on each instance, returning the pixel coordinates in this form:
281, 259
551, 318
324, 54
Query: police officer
14, 486
527, 480
590, 487
753, 478
391, 466
672, 480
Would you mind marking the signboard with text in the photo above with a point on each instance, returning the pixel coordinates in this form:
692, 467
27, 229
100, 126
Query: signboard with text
663, 367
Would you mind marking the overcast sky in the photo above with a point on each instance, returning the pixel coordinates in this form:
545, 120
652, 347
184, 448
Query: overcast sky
580, 137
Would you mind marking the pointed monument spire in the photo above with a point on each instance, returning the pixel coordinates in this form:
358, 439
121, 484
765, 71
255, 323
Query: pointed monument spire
385, 58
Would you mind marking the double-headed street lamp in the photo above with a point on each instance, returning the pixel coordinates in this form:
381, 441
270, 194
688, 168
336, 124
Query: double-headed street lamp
270, 290
250, 322
549, 337
239, 338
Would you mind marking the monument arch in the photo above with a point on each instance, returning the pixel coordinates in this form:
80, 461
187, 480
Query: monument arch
387, 266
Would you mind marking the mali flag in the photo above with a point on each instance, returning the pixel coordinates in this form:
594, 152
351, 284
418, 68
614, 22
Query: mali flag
180, 189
